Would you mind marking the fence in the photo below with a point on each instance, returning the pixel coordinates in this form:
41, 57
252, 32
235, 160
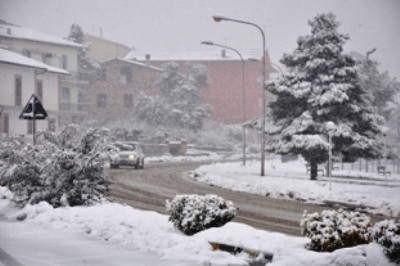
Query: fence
371, 166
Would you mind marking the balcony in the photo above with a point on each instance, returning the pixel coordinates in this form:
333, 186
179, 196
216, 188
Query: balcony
79, 77
70, 107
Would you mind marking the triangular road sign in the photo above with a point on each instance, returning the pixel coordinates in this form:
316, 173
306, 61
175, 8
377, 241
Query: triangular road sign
33, 109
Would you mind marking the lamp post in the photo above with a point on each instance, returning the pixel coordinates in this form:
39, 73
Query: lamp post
243, 94
218, 18
331, 127
385, 131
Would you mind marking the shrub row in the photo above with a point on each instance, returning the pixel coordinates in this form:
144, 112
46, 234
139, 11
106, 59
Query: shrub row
331, 230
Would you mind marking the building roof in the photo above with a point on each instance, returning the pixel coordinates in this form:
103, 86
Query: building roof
8, 57
107, 41
133, 63
193, 55
14, 32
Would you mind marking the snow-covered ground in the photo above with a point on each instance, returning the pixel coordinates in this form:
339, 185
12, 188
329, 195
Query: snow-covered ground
379, 194
115, 234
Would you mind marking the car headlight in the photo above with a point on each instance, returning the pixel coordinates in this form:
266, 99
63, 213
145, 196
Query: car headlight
131, 156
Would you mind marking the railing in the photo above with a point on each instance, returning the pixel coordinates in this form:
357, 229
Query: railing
80, 77
371, 166
74, 107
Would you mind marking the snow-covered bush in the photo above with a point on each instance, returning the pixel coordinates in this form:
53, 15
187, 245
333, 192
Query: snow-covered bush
66, 168
191, 214
387, 233
333, 230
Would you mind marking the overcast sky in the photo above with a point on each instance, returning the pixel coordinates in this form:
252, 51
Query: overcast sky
183, 24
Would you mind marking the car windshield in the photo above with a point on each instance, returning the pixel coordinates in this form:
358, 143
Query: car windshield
128, 147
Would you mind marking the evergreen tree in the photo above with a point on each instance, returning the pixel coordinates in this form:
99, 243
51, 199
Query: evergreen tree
180, 99
381, 89
76, 35
320, 86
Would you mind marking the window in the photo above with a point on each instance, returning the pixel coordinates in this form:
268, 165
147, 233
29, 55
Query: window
18, 90
27, 53
128, 100
102, 74
39, 90
126, 74
52, 124
64, 62
65, 98
101, 100
6, 123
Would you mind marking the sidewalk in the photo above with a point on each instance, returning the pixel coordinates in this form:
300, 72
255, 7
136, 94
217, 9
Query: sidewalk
30, 245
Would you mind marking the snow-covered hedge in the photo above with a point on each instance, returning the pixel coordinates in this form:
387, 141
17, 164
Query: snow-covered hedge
191, 214
333, 230
387, 233
66, 168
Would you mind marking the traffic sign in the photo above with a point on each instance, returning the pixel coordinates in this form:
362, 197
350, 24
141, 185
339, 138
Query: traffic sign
33, 110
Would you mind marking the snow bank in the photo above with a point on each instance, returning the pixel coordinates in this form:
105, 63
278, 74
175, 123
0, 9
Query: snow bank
150, 231
290, 181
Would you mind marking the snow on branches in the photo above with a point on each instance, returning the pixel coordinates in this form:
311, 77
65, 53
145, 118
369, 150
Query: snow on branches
321, 85
66, 168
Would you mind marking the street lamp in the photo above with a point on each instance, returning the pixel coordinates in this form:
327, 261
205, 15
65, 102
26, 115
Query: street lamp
330, 126
218, 18
243, 94
385, 131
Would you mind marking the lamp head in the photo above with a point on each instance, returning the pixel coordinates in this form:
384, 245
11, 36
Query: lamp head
218, 18
207, 43
330, 126
385, 131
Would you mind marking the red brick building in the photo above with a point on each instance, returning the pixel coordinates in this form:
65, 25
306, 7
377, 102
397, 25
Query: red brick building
117, 85
225, 93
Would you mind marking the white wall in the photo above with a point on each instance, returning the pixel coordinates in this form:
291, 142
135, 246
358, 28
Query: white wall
7, 96
38, 48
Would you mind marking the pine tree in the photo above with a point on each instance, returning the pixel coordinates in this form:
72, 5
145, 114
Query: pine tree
320, 86
76, 35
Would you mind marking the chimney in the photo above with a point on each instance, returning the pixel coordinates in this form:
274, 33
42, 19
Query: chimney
147, 59
223, 53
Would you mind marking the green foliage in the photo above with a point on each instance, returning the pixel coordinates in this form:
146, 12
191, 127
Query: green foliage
180, 99
380, 89
65, 169
321, 85
387, 233
191, 214
333, 230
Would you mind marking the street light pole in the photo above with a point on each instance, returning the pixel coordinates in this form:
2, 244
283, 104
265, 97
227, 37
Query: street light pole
243, 94
221, 18
385, 131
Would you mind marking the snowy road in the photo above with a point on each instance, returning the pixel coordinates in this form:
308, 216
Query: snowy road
149, 188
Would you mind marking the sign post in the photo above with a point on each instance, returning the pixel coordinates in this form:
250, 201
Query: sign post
33, 110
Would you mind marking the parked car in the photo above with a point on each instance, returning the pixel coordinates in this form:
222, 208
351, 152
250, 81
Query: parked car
130, 154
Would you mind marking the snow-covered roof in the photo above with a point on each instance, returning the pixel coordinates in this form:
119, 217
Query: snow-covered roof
33, 35
9, 57
193, 55
133, 62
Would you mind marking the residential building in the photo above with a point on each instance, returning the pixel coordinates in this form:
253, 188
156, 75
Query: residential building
117, 86
225, 93
102, 49
52, 51
20, 78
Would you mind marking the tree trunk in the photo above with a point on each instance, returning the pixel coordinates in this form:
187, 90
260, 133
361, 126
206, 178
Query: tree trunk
313, 169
